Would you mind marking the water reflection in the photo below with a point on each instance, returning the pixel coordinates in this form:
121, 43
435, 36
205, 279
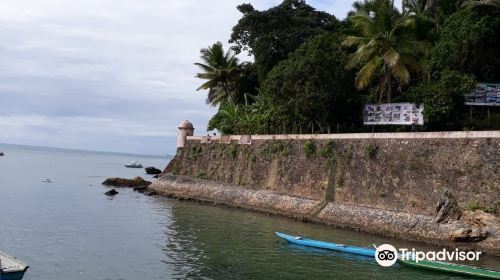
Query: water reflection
206, 242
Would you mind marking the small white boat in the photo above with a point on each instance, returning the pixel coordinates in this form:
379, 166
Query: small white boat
133, 164
11, 268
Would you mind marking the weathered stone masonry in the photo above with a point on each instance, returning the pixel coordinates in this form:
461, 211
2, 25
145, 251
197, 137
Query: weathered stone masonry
403, 174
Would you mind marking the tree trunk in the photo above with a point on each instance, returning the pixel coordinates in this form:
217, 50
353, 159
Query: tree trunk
389, 87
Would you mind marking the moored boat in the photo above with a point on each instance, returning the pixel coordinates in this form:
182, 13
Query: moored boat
133, 164
369, 252
2, 154
11, 268
452, 268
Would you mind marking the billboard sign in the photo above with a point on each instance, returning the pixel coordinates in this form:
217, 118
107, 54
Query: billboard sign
484, 95
393, 114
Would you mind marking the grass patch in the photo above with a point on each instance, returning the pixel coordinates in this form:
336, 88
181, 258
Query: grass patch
277, 147
202, 175
310, 148
328, 150
196, 151
474, 206
371, 150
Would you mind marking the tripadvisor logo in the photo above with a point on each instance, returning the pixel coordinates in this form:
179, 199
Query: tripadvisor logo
387, 255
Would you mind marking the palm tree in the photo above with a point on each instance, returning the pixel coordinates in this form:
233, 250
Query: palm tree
385, 48
221, 70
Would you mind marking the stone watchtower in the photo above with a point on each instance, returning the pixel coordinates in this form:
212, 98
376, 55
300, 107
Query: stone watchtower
185, 129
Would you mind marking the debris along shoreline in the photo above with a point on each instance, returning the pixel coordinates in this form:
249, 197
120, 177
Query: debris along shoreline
474, 231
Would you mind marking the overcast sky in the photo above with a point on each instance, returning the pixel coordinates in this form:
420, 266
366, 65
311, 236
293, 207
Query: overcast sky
110, 75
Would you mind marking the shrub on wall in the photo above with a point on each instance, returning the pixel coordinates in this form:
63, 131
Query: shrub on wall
310, 148
328, 150
196, 151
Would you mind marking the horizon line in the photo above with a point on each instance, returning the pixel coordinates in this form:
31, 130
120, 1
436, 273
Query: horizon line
85, 150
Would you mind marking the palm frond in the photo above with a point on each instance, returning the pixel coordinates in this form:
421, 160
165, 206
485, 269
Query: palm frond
391, 57
401, 73
365, 75
350, 41
220, 69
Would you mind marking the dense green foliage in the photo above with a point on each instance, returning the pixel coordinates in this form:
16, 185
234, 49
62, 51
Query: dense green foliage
272, 34
311, 91
469, 42
312, 73
442, 98
238, 119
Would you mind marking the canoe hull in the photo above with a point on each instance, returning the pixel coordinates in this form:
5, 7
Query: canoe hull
453, 268
368, 252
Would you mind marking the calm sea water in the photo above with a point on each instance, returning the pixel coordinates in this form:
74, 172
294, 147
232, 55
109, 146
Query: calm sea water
69, 229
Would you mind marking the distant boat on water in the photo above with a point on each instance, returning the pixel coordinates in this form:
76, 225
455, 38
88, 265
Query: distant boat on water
133, 164
48, 180
2, 154
11, 268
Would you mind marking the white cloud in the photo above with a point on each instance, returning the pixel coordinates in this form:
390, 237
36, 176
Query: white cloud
16, 125
89, 71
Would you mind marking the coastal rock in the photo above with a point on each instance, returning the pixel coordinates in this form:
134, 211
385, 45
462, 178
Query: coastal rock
484, 227
111, 192
469, 235
121, 182
474, 230
152, 170
141, 189
447, 208
480, 218
156, 176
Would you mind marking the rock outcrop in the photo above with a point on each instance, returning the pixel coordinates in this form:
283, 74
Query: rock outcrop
483, 227
447, 208
111, 192
152, 170
121, 182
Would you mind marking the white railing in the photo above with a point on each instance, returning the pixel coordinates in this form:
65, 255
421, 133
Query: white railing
388, 135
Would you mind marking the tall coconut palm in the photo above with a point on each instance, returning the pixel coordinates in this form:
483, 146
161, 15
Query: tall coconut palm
220, 70
385, 48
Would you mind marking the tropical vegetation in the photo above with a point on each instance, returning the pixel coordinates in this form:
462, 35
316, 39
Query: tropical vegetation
312, 73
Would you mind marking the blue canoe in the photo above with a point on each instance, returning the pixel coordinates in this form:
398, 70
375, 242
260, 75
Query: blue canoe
369, 252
